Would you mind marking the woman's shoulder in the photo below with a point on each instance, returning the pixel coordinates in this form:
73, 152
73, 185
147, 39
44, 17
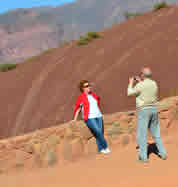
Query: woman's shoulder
81, 96
95, 95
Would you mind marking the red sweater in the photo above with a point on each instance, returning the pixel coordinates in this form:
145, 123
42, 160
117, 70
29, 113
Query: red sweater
82, 99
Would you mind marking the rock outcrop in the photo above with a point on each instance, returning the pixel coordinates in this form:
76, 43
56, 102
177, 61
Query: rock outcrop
71, 141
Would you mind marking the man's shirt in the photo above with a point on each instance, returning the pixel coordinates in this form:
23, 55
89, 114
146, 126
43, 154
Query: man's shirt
146, 93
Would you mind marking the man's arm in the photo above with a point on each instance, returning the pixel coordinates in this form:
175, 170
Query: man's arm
132, 90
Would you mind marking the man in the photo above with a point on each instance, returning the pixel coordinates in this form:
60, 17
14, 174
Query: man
146, 92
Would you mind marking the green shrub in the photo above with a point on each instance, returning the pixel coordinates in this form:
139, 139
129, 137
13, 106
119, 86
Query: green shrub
125, 140
48, 51
11, 31
93, 35
114, 131
52, 158
64, 43
174, 92
130, 130
168, 93
131, 15
19, 165
7, 67
37, 57
116, 124
160, 5
33, 58
84, 40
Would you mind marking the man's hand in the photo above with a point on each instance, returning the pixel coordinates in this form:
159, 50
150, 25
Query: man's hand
131, 80
138, 79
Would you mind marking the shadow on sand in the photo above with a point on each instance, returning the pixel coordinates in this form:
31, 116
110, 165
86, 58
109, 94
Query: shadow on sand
152, 149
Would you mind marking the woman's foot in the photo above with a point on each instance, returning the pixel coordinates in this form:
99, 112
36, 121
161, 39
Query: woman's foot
107, 150
103, 151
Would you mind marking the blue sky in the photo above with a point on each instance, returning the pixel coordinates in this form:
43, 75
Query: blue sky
13, 4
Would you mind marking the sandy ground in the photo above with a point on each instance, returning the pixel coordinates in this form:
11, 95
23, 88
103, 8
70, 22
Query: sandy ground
114, 170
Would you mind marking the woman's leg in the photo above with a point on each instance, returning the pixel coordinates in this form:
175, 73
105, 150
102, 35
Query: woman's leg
100, 125
94, 126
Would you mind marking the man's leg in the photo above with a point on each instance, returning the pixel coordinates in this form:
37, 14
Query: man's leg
143, 123
155, 132
97, 132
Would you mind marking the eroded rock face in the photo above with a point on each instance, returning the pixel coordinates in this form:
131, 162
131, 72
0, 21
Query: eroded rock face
71, 141
28, 32
18, 46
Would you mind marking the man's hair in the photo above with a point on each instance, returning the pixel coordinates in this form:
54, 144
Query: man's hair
81, 84
147, 72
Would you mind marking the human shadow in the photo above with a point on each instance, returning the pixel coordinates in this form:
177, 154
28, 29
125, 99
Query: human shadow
152, 149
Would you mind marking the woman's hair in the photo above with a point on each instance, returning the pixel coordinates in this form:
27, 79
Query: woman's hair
81, 84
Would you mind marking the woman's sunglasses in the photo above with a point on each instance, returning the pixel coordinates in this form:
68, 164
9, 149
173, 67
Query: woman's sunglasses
86, 86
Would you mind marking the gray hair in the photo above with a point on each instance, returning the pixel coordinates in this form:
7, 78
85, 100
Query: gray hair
147, 72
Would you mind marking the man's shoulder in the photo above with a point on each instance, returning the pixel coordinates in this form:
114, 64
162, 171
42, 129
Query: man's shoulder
151, 81
139, 84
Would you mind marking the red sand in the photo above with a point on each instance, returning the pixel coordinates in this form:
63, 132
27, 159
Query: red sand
117, 169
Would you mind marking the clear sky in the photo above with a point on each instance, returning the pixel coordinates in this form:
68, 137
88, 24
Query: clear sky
13, 4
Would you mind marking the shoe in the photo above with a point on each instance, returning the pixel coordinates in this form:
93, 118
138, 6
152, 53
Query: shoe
139, 159
103, 151
107, 150
163, 157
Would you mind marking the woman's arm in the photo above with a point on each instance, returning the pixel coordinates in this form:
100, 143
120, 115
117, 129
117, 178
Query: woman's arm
76, 114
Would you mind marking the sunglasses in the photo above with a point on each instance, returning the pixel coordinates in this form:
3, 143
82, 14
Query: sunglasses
86, 86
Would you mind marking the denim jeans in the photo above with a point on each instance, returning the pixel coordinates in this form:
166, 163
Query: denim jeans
148, 119
96, 127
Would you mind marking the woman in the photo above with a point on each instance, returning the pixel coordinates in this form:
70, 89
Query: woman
89, 103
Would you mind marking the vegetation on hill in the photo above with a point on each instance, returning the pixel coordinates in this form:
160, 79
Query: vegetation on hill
84, 40
131, 15
7, 67
168, 93
156, 7
160, 5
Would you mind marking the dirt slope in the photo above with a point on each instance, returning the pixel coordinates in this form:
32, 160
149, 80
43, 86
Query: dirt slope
41, 93
21, 165
116, 169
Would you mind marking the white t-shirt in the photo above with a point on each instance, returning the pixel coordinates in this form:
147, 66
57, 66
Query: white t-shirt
94, 111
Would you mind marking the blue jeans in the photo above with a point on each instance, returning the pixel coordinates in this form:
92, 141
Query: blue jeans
96, 127
148, 119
